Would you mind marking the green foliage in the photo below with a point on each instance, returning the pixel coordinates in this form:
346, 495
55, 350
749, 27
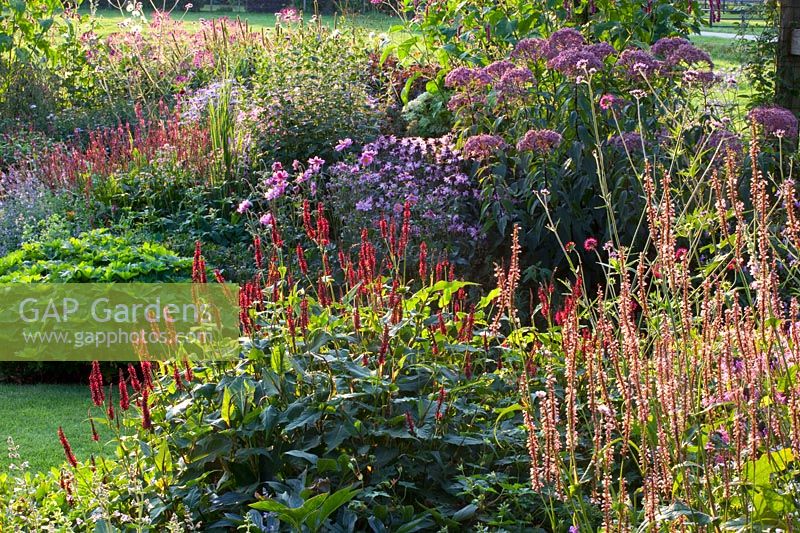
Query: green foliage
761, 54
96, 256
303, 428
427, 115
454, 32
312, 92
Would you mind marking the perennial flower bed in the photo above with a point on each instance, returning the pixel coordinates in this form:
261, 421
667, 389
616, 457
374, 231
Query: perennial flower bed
529, 277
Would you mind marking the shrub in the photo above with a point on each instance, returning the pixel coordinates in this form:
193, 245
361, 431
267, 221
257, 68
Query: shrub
310, 91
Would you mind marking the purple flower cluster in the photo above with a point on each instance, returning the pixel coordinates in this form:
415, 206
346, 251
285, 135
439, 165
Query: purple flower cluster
574, 62
721, 141
638, 64
690, 55
675, 50
530, 50
464, 77
564, 39
496, 70
775, 121
700, 78
666, 46
628, 141
193, 105
602, 50
513, 83
482, 146
276, 183
426, 172
539, 141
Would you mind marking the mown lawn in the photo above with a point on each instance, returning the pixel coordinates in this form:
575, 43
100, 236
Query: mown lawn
108, 20
31, 415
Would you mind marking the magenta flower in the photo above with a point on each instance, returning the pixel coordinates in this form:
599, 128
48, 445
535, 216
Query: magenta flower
590, 244
244, 206
607, 101
315, 164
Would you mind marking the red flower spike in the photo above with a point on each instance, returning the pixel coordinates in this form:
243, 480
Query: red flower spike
124, 399
440, 401
257, 252
410, 423
301, 260
96, 385
187, 370
134, 378
147, 422
95, 436
423, 262
67, 448
384, 346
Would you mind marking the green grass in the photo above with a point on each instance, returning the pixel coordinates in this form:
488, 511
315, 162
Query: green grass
108, 20
31, 415
723, 51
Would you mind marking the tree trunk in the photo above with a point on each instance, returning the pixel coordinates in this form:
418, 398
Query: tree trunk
787, 86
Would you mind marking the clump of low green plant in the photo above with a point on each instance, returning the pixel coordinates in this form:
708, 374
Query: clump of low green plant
95, 256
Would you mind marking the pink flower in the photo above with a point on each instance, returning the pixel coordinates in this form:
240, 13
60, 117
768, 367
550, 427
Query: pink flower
344, 144
266, 219
244, 206
315, 164
366, 158
590, 244
680, 254
607, 101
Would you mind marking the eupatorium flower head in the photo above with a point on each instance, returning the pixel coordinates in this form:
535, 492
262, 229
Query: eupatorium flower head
482, 146
775, 121
539, 141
